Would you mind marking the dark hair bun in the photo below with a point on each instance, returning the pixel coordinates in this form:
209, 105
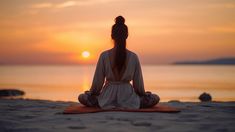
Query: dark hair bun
119, 20
119, 29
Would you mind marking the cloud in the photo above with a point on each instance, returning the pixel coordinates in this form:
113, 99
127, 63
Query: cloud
54, 5
42, 5
223, 29
68, 4
223, 5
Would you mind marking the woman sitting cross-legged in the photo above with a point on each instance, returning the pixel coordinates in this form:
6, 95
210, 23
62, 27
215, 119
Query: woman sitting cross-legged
116, 68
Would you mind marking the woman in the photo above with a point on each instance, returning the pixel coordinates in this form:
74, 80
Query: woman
111, 87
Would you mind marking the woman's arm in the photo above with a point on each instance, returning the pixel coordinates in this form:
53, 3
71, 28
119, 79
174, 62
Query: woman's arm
99, 76
138, 82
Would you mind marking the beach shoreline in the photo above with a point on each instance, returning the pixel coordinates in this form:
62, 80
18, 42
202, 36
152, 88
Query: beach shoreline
44, 115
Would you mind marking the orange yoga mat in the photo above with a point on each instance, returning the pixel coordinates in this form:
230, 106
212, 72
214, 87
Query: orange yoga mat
80, 109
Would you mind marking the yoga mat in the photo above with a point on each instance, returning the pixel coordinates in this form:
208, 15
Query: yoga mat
80, 109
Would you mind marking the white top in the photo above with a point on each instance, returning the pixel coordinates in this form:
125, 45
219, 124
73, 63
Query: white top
121, 94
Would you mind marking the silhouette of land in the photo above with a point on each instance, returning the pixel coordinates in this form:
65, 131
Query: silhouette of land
219, 61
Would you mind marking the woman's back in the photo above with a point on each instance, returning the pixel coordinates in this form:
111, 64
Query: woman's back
113, 91
115, 69
128, 71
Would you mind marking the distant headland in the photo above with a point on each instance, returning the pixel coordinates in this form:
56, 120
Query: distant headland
218, 61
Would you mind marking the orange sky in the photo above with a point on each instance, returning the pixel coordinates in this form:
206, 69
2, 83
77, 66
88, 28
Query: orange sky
161, 31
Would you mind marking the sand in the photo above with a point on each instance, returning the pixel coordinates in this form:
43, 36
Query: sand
24, 115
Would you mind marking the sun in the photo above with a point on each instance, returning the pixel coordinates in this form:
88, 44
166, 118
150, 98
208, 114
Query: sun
85, 54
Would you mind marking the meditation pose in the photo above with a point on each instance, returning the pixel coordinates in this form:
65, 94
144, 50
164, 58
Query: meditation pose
116, 68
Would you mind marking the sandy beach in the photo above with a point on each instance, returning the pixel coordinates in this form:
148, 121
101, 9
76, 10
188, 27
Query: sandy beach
23, 115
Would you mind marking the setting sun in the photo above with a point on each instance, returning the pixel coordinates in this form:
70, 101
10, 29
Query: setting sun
85, 54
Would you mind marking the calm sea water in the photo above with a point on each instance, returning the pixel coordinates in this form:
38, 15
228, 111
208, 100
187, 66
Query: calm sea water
170, 82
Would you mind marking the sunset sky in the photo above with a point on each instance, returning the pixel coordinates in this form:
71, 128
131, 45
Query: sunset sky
160, 31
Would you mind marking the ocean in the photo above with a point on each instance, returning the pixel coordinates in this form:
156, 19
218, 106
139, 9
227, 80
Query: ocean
170, 82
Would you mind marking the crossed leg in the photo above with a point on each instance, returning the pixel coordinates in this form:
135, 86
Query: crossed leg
88, 100
149, 100
146, 101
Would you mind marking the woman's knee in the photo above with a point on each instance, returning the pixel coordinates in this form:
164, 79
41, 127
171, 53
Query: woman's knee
156, 98
83, 98
88, 100
149, 100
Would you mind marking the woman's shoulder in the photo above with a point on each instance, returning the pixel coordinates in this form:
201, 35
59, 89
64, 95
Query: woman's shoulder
132, 54
105, 52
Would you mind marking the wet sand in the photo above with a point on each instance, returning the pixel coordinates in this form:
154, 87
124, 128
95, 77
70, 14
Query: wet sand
25, 115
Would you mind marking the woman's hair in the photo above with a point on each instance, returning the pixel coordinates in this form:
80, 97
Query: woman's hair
119, 35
